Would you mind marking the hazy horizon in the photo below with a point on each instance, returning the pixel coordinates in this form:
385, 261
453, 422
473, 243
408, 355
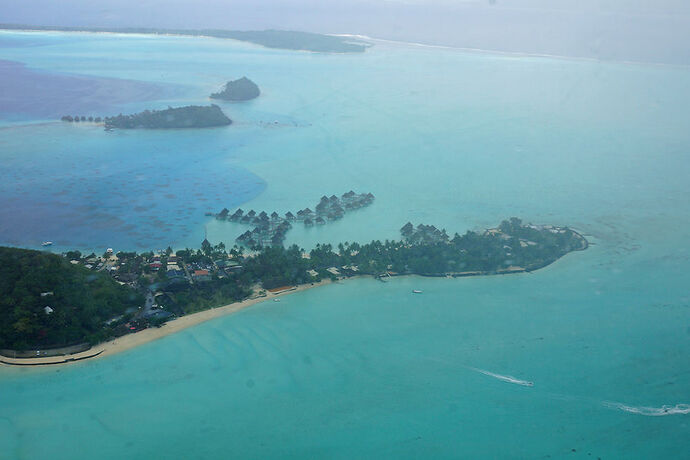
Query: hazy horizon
641, 30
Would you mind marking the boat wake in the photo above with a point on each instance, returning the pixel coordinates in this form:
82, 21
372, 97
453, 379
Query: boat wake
504, 378
682, 409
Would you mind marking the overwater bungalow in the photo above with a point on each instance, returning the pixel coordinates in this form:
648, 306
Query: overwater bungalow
263, 215
251, 213
246, 219
320, 221
274, 215
223, 214
237, 215
290, 216
322, 206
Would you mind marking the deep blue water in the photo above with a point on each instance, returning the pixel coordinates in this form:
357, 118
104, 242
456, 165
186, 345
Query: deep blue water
127, 190
27, 94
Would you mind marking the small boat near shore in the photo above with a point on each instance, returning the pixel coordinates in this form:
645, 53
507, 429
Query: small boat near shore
417, 291
47, 243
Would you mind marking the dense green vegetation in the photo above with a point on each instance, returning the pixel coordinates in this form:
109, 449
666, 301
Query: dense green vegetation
280, 39
242, 89
191, 280
81, 301
192, 116
511, 246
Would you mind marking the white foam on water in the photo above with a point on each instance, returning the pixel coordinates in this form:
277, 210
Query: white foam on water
678, 409
504, 378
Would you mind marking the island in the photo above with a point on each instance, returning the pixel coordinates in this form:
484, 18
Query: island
50, 302
279, 39
242, 89
191, 116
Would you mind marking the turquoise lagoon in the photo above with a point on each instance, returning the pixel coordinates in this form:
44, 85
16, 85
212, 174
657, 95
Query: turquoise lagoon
365, 369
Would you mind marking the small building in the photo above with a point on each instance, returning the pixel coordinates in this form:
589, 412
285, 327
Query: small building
175, 273
48, 310
201, 275
45, 294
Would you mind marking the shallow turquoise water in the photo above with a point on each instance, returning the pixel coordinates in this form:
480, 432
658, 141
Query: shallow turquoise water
365, 369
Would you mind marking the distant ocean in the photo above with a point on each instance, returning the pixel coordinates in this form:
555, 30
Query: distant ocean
365, 369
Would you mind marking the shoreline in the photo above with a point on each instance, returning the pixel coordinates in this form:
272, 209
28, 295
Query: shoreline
136, 339
371, 42
33, 29
129, 341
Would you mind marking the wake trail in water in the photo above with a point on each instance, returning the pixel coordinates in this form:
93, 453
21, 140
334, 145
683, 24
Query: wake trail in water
504, 378
678, 409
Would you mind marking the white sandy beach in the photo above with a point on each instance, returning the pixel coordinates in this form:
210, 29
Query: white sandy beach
149, 335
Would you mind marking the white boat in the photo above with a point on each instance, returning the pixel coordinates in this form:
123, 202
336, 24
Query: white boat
276, 300
47, 243
417, 291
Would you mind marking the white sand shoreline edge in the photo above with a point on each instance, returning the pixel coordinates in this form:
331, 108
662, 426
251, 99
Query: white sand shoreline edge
129, 341
136, 339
